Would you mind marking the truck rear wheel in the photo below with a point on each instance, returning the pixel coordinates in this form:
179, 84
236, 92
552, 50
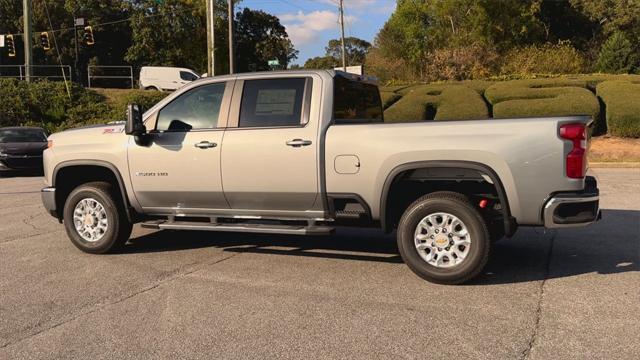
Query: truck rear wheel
94, 219
443, 238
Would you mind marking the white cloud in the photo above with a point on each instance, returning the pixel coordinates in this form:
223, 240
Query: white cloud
303, 28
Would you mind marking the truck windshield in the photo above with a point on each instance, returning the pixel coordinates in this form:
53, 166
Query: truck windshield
355, 102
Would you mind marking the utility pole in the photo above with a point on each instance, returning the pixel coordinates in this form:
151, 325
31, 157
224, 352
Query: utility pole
211, 37
231, 49
26, 19
344, 56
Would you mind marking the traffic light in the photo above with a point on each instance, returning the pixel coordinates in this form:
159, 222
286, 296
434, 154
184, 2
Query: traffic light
88, 36
44, 40
11, 45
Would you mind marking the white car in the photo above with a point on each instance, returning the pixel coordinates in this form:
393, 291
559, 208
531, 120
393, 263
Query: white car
165, 78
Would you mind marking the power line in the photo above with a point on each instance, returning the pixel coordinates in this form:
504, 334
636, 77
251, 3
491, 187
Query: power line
106, 23
55, 43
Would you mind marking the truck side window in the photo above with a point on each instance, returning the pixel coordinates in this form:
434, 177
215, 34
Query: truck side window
272, 102
355, 102
198, 108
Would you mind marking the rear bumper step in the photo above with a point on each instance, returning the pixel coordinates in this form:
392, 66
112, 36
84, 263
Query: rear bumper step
248, 228
574, 209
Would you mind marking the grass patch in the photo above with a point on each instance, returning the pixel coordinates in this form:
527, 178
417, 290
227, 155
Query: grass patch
437, 102
622, 102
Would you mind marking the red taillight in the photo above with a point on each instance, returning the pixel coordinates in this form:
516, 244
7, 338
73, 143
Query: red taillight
577, 158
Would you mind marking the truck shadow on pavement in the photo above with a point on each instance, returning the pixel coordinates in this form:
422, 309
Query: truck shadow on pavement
610, 246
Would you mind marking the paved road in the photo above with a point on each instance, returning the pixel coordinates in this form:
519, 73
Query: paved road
571, 294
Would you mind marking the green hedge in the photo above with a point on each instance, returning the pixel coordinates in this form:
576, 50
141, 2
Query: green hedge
622, 107
388, 98
544, 97
437, 102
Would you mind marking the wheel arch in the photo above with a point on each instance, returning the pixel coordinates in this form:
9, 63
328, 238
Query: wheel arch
397, 173
87, 171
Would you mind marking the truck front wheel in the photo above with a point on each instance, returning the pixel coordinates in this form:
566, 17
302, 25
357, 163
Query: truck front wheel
94, 218
443, 238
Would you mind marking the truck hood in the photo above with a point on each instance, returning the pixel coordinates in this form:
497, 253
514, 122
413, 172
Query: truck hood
91, 134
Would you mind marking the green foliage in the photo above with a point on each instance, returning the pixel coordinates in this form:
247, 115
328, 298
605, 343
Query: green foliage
355, 54
560, 58
118, 99
466, 62
259, 38
617, 55
355, 50
388, 98
622, 101
321, 62
46, 104
546, 97
168, 33
437, 102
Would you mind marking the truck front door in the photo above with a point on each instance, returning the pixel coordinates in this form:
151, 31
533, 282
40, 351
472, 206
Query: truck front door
178, 170
270, 152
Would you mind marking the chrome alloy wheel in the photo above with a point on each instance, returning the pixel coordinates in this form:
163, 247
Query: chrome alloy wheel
90, 219
442, 240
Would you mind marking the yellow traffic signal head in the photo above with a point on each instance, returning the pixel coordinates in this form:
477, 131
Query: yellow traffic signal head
88, 36
11, 45
44, 40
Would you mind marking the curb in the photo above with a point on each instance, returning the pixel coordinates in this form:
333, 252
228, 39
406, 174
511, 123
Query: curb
619, 165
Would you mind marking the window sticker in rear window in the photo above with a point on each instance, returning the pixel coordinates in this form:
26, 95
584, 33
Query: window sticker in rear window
275, 102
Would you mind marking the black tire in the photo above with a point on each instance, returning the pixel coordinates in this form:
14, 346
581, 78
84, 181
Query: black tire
119, 227
455, 204
152, 88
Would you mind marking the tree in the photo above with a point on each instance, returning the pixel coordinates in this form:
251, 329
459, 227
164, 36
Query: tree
168, 33
321, 62
355, 54
259, 38
617, 55
355, 50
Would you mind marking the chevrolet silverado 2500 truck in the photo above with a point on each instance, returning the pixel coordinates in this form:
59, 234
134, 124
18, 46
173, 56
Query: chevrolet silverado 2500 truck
301, 152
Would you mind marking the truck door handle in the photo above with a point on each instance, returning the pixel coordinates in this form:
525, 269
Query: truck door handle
206, 145
298, 142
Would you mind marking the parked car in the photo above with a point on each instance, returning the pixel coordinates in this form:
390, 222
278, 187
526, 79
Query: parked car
21, 148
165, 78
301, 152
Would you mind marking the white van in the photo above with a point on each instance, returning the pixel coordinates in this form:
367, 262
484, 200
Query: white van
165, 78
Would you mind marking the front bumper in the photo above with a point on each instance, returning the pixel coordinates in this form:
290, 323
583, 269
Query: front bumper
21, 162
575, 208
48, 196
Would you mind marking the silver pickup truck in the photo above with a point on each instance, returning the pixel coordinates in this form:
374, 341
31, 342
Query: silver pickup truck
302, 152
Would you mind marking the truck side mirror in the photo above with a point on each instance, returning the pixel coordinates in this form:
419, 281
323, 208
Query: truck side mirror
134, 125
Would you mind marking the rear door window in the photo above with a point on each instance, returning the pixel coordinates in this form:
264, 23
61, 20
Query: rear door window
272, 102
356, 102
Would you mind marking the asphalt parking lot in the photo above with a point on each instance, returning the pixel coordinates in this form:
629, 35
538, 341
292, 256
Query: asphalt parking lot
568, 294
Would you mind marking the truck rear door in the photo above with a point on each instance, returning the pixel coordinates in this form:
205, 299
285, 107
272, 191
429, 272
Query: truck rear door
269, 156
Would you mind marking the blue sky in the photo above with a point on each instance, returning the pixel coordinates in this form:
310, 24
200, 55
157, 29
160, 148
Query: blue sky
312, 23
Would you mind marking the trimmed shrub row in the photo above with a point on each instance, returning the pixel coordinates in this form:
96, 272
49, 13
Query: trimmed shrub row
622, 112
571, 95
522, 98
438, 102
